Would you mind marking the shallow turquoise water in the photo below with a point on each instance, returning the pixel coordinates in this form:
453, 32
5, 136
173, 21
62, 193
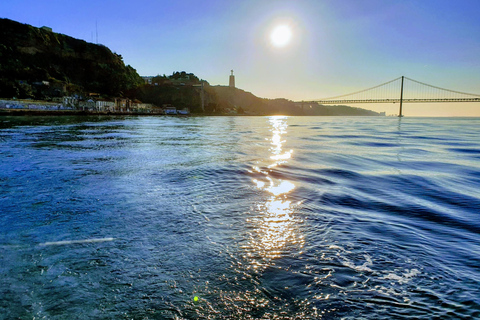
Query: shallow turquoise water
259, 217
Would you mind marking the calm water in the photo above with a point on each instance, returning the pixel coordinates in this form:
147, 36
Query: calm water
258, 217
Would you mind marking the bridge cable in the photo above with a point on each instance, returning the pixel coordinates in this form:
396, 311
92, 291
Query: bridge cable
453, 91
361, 91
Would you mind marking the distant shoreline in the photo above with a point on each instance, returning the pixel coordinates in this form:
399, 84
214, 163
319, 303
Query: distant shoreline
32, 112
47, 108
20, 112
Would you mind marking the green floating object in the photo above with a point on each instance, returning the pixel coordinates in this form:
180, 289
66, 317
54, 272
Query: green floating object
195, 299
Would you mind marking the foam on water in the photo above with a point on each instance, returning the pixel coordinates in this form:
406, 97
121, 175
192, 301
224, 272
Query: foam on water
68, 242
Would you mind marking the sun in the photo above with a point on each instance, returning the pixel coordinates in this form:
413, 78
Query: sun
281, 35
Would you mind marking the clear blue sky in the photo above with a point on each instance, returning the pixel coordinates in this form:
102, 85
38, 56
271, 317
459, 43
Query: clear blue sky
337, 46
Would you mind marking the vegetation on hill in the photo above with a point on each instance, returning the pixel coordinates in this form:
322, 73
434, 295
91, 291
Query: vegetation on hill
234, 100
38, 63
181, 90
244, 102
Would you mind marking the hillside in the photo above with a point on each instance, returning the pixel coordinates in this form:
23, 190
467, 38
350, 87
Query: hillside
38, 63
245, 102
236, 100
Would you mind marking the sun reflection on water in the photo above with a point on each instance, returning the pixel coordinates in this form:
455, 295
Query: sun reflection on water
275, 224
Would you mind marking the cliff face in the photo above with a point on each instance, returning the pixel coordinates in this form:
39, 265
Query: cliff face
30, 57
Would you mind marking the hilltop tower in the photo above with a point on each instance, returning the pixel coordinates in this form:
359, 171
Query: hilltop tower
231, 82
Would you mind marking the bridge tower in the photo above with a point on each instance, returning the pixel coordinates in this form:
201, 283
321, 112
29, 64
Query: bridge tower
401, 99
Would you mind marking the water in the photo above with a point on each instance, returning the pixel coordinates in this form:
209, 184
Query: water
257, 217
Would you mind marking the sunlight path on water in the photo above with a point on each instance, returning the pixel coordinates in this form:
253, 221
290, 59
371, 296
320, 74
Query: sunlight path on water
275, 224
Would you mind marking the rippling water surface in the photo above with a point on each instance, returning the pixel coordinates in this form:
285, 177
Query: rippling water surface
239, 218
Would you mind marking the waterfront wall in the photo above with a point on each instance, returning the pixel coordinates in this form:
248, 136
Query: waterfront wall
99, 107
33, 105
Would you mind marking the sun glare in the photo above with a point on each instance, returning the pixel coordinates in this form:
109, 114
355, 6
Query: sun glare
281, 36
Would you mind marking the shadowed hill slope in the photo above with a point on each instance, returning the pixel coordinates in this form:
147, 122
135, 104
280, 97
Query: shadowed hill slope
31, 57
245, 102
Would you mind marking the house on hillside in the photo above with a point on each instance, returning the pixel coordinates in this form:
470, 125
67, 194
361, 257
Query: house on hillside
122, 104
147, 79
138, 106
104, 105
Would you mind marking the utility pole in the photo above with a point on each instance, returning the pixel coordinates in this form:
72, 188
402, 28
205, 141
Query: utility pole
401, 100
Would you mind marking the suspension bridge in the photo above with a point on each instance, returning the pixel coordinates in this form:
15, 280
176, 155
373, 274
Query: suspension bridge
402, 90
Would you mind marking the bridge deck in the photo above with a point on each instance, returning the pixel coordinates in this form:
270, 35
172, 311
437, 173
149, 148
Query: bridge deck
394, 100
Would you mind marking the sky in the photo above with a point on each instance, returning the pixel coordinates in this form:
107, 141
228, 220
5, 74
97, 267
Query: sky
336, 46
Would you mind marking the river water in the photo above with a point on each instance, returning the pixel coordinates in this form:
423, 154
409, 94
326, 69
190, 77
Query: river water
239, 218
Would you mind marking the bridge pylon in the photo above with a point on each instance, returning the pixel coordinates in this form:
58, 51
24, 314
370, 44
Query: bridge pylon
401, 99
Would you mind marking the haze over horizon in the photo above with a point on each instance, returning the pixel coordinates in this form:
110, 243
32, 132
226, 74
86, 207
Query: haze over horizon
299, 50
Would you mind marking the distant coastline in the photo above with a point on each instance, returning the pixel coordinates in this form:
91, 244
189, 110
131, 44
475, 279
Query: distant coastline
14, 107
38, 107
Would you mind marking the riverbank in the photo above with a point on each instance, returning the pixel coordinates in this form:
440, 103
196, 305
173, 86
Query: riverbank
31, 112
38, 107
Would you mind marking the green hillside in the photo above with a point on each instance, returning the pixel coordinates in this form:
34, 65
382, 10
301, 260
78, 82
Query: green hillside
38, 63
